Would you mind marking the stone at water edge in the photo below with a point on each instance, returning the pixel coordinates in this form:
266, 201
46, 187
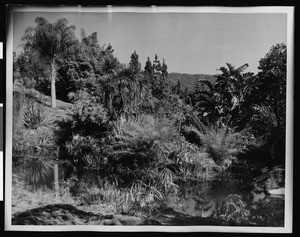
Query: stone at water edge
66, 214
279, 191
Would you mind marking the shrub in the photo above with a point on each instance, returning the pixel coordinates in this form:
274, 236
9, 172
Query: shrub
271, 178
82, 136
141, 142
222, 142
142, 149
263, 122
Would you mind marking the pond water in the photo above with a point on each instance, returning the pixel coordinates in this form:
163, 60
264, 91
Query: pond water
205, 198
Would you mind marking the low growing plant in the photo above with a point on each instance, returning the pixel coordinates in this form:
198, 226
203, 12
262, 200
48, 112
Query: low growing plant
234, 209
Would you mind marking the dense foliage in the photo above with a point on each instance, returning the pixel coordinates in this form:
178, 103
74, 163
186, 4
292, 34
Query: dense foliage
141, 129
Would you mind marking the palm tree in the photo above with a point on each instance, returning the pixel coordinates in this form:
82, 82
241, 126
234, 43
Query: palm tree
108, 69
228, 96
50, 41
203, 99
131, 87
123, 87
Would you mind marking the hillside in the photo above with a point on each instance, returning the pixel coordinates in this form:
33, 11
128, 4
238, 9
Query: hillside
189, 80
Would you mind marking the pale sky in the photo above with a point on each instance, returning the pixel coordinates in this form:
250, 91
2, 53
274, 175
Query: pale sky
189, 42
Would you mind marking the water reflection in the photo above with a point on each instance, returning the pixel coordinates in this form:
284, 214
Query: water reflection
204, 199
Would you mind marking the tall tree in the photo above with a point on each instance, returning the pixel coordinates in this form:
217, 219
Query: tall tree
232, 87
148, 68
49, 40
228, 97
134, 62
156, 66
164, 69
176, 89
272, 81
30, 70
157, 74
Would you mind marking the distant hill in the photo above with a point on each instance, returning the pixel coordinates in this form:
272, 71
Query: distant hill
189, 80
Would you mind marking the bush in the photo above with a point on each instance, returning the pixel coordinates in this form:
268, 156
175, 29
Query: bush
271, 178
263, 122
82, 136
142, 151
222, 142
140, 142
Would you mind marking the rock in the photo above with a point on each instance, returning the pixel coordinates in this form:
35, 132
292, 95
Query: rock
18, 107
175, 218
279, 191
65, 214
58, 214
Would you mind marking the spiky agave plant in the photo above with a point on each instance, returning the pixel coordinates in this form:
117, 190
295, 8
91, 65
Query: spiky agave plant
35, 115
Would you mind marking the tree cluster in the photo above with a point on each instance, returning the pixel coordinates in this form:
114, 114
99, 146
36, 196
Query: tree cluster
90, 76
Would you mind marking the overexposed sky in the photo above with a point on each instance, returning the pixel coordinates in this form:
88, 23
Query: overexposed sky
189, 42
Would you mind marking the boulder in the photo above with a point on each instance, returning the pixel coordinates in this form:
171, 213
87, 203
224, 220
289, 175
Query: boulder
65, 214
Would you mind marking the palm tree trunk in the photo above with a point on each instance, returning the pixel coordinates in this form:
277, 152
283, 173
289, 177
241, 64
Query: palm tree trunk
53, 90
56, 185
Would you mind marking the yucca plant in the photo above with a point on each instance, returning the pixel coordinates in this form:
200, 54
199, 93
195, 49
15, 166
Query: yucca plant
35, 115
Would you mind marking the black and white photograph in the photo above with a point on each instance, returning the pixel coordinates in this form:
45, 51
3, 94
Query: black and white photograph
165, 119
